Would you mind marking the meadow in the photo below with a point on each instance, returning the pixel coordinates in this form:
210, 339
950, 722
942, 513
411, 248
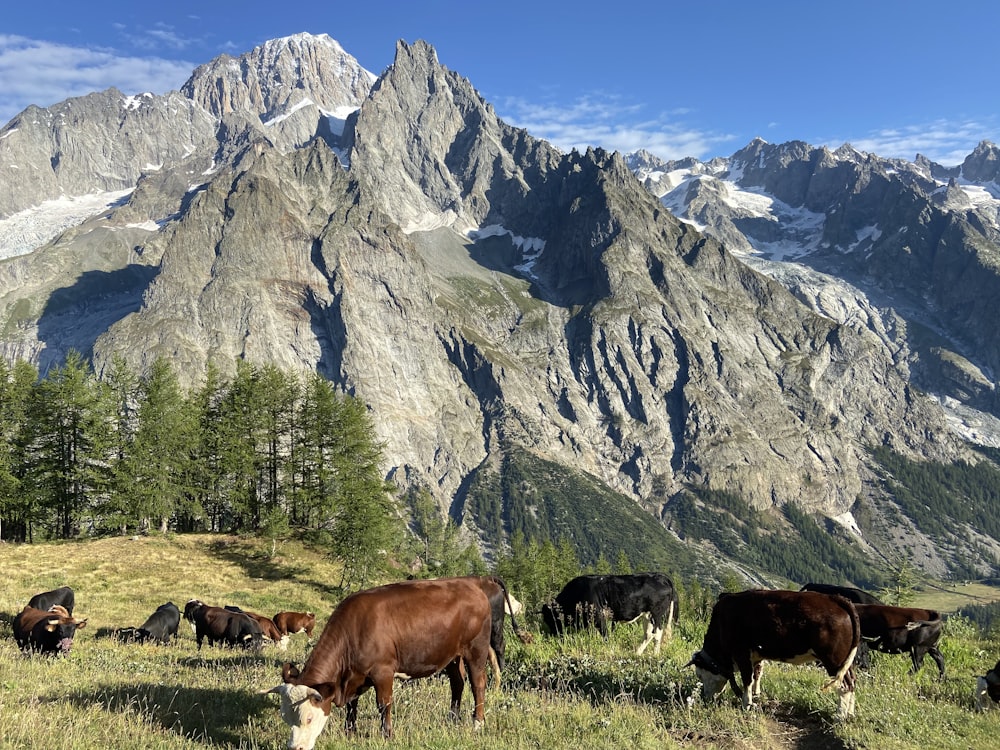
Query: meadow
581, 691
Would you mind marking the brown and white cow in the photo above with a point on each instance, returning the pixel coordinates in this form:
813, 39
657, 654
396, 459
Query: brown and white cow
897, 630
988, 689
290, 623
46, 631
409, 629
796, 627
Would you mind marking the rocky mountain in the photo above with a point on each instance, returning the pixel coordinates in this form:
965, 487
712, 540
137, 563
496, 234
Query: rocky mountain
489, 296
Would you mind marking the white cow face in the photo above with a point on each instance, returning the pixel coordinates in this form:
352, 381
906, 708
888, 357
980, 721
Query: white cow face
302, 710
711, 683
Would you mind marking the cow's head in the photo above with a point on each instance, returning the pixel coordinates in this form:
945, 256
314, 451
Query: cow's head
60, 627
709, 674
303, 708
551, 618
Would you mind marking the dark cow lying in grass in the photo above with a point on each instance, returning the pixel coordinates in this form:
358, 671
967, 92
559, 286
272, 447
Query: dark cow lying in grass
796, 627
159, 627
46, 631
597, 600
219, 625
988, 689
898, 630
63, 596
410, 629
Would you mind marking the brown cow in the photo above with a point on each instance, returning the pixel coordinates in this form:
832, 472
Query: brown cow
795, 627
46, 631
290, 623
408, 629
897, 630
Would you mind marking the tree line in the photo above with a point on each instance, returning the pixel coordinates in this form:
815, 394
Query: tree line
262, 451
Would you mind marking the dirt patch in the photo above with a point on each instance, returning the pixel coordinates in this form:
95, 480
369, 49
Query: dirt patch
796, 731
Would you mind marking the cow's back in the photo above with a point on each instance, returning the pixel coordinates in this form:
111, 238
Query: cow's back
417, 627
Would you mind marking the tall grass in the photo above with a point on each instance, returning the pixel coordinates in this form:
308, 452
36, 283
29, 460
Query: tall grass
578, 692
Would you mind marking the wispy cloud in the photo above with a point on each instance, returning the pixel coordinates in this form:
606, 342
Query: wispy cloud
946, 142
44, 73
608, 121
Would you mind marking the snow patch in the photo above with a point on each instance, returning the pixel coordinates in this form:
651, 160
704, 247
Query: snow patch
31, 228
531, 247
275, 120
848, 521
337, 119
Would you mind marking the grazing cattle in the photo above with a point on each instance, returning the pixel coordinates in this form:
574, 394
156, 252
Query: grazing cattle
220, 625
63, 596
896, 630
46, 631
267, 627
159, 627
409, 629
796, 627
988, 689
858, 596
597, 599
290, 623
848, 592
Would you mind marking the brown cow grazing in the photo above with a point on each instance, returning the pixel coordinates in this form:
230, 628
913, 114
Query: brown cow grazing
796, 627
897, 630
290, 623
988, 689
46, 631
409, 629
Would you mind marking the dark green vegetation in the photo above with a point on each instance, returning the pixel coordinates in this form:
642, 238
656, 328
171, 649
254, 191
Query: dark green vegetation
580, 691
949, 503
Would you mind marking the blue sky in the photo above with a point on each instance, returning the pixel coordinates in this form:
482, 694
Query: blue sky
694, 78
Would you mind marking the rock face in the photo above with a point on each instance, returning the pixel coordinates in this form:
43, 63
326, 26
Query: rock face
477, 288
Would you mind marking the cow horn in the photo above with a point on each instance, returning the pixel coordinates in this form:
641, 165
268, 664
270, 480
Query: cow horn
281, 689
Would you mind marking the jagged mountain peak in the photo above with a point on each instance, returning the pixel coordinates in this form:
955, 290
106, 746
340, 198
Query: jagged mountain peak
280, 75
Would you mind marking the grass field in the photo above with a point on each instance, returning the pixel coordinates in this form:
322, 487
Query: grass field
579, 692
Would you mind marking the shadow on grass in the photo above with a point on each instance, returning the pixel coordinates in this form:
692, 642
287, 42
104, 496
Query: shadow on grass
258, 564
218, 716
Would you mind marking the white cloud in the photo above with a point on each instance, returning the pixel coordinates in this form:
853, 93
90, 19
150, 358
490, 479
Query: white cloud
45, 73
609, 122
946, 142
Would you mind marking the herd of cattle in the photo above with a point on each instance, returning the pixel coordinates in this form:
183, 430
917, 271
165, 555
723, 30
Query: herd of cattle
414, 629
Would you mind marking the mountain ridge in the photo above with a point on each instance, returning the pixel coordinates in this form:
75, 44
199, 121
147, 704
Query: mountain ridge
482, 291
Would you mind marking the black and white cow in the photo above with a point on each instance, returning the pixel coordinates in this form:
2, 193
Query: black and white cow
62, 596
597, 600
796, 627
898, 630
988, 689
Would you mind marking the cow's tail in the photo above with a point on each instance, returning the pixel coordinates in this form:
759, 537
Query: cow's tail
522, 635
844, 679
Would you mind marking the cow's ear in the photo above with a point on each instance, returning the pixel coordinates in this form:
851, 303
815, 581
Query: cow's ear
289, 672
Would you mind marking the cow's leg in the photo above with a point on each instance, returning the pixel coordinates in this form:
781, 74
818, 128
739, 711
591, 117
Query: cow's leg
917, 657
845, 708
938, 659
746, 669
477, 676
351, 717
669, 624
651, 630
456, 677
758, 670
383, 699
